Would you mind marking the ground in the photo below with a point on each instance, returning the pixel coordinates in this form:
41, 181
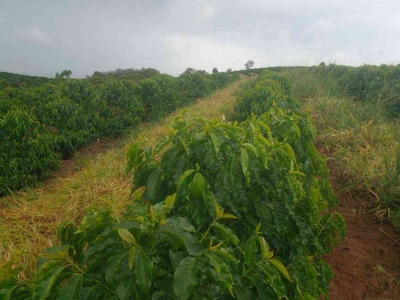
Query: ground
368, 245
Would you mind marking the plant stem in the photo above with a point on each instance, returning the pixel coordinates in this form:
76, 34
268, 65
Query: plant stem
208, 230
323, 227
90, 277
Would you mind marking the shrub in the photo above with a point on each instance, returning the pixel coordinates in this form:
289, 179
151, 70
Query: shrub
194, 86
26, 154
268, 91
121, 108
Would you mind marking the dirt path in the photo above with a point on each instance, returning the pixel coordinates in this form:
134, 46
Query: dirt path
368, 245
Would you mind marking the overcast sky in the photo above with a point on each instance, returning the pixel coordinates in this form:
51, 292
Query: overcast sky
42, 37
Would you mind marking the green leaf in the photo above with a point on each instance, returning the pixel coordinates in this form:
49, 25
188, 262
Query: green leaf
7, 292
281, 216
273, 277
143, 269
185, 278
113, 266
183, 223
305, 275
250, 252
152, 183
198, 185
315, 195
216, 142
184, 146
244, 160
183, 177
222, 271
325, 274
280, 267
124, 288
43, 264
227, 234
198, 210
176, 257
228, 216
71, 289
265, 127
258, 228
88, 293
264, 290
53, 277
340, 225
289, 151
134, 157
161, 145
251, 148
243, 293
170, 200
119, 276
264, 247
126, 236
181, 229
132, 252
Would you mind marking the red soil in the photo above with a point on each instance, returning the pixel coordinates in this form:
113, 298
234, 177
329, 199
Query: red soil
71, 165
368, 244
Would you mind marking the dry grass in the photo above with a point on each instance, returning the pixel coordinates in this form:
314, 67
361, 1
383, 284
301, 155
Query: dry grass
364, 146
30, 218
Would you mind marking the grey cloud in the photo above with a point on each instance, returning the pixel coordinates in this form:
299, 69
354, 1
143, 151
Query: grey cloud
33, 35
173, 35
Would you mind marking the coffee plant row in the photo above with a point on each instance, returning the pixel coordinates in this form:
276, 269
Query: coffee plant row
369, 83
219, 211
21, 81
41, 125
128, 74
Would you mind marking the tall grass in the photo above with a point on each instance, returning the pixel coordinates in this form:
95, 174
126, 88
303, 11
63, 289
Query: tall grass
306, 84
360, 137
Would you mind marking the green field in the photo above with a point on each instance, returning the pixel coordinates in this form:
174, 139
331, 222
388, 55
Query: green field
228, 198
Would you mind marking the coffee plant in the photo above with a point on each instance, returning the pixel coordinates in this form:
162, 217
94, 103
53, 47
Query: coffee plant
21, 81
219, 211
25, 150
74, 112
121, 109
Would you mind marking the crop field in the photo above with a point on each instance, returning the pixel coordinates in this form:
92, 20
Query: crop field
279, 183
42, 124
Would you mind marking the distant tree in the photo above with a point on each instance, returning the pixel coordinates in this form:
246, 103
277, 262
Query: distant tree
64, 74
249, 64
322, 64
229, 71
201, 72
215, 70
189, 71
97, 77
97, 74
149, 72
